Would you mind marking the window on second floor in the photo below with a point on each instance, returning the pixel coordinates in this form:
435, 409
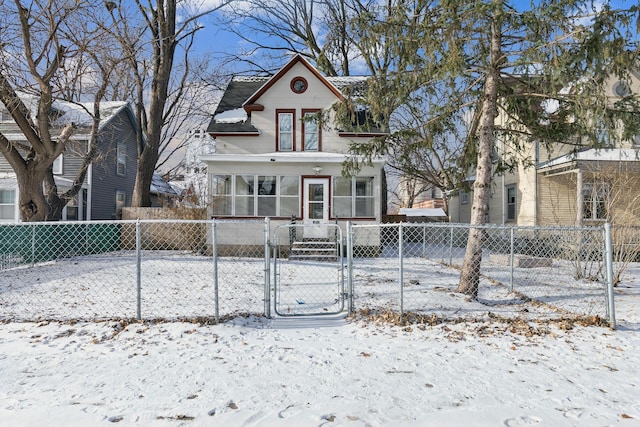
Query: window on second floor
311, 132
121, 159
285, 124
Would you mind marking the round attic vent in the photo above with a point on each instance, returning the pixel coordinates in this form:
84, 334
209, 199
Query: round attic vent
621, 89
298, 84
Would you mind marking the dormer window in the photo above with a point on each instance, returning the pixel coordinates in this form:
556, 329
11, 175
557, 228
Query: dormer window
299, 84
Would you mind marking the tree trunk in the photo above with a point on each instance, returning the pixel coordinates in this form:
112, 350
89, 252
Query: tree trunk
33, 204
470, 274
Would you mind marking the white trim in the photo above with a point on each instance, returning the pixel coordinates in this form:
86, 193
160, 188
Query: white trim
285, 157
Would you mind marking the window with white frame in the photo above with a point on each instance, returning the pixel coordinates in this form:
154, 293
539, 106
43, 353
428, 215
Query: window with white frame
353, 197
256, 195
71, 209
289, 196
221, 186
121, 158
464, 198
595, 200
311, 130
7, 205
286, 130
267, 200
511, 202
58, 165
244, 195
121, 200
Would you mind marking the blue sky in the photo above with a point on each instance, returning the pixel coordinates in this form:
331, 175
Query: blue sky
215, 40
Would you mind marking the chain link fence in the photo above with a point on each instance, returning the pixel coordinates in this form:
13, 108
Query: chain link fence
217, 269
524, 271
130, 269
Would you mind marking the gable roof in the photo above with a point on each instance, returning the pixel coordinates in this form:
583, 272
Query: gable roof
231, 116
65, 112
298, 59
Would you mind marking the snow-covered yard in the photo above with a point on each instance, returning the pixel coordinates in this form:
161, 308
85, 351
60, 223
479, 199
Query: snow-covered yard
325, 370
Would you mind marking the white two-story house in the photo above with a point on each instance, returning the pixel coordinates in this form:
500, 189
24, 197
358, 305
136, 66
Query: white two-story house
280, 155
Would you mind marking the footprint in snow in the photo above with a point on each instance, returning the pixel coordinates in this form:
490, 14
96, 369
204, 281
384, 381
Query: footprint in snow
524, 420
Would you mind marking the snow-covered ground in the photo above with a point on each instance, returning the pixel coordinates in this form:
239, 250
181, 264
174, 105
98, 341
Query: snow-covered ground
326, 370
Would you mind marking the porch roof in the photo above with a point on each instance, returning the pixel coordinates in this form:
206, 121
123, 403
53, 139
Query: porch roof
283, 157
590, 156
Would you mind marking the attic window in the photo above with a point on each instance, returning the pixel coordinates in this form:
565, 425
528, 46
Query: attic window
299, 84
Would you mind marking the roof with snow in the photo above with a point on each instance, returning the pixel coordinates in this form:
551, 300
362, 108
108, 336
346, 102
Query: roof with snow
596, 154
231, 117
80, 114
428, 212
161, 187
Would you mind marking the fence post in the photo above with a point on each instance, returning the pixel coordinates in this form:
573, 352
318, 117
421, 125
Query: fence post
33, 245
609, 263
401, 268
214, 254
267, 271
138, 272
512, 256
450, 245
350, 267
424, 241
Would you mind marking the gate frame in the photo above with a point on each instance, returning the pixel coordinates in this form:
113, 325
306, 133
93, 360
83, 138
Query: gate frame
340, 265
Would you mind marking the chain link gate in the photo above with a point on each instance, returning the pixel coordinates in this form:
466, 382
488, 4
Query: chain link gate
308, 266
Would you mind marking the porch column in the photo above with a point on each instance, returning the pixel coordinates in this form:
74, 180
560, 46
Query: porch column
579, 198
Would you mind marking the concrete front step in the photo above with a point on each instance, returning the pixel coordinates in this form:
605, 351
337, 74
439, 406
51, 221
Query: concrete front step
314, 250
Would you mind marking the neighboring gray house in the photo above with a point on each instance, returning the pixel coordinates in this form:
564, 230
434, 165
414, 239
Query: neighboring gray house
109, 182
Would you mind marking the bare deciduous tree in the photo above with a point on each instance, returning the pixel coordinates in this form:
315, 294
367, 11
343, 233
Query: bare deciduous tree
46, 53
151, 34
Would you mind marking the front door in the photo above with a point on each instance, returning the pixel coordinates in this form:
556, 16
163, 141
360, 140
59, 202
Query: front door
316, 207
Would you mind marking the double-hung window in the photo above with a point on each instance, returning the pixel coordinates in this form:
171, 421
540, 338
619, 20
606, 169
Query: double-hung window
285, 123
311, 130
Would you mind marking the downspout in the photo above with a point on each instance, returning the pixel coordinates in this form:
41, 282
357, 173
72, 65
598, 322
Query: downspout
503, 189
89, 193
579, 198
535, 184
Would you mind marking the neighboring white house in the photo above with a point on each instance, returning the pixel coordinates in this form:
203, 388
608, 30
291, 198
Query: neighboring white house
565, 185
275, 158
191, 173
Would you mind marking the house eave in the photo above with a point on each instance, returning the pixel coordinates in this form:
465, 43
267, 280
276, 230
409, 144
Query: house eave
253, 107
215, 134
296, 157
361, 134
